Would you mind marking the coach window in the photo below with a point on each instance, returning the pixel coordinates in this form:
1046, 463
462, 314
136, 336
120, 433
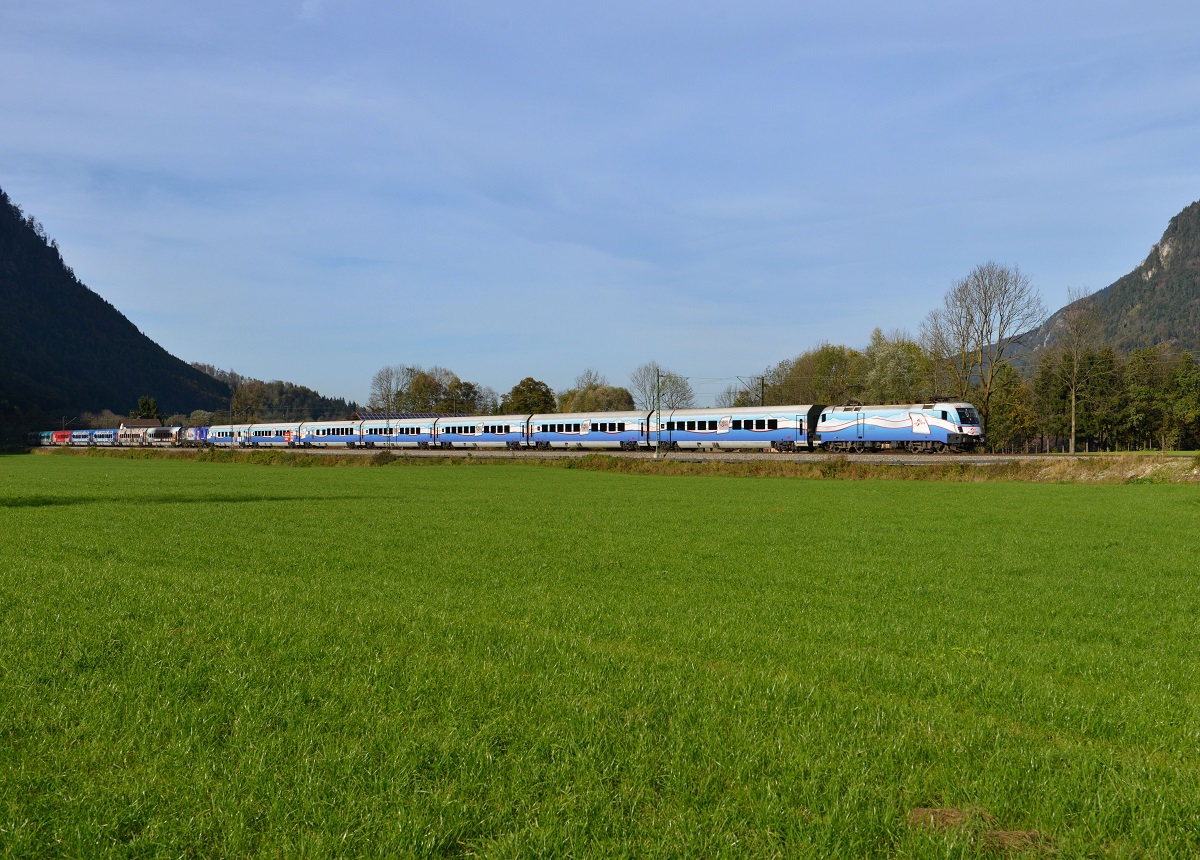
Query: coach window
760, 424
772, 423
737, 424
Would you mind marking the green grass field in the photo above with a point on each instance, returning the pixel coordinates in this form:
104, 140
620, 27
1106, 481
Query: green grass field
202, 659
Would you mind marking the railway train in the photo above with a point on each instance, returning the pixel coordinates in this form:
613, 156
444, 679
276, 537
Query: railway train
850, 428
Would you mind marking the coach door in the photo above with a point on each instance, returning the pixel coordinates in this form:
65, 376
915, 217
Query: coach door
860, 422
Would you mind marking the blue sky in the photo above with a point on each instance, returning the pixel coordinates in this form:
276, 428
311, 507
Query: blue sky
311, 190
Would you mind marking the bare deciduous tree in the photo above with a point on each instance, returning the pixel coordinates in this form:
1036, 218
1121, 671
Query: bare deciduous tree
732, 395
1079, 324
385, 385
651, 380
590, 378
981, 318
643, 384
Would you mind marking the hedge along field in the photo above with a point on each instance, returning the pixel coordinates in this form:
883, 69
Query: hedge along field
202, 659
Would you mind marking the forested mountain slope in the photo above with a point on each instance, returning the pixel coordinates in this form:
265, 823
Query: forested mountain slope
1157, 303
64, 349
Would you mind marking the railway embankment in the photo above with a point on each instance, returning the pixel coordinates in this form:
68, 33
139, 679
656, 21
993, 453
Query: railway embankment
1054, 468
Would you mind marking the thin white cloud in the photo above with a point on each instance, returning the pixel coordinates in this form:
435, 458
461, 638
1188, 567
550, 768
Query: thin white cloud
310, 10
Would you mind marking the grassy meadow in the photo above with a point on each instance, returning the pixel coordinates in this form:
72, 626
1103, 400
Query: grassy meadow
213, 660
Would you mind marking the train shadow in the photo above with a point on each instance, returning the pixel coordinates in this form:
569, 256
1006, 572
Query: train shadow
40, 502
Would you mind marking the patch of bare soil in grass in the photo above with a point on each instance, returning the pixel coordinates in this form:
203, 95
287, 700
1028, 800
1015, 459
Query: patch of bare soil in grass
1006, 842
981, 828
938, 818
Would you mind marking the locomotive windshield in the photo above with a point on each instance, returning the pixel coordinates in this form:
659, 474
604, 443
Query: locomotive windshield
967, 415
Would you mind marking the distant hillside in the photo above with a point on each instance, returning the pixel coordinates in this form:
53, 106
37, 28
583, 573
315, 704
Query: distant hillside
65, 350
278, 400
1156, 303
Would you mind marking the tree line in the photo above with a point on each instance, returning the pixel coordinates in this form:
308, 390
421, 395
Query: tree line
413, 389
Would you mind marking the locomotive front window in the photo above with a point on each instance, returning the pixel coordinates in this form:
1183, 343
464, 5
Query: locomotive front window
967, 415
